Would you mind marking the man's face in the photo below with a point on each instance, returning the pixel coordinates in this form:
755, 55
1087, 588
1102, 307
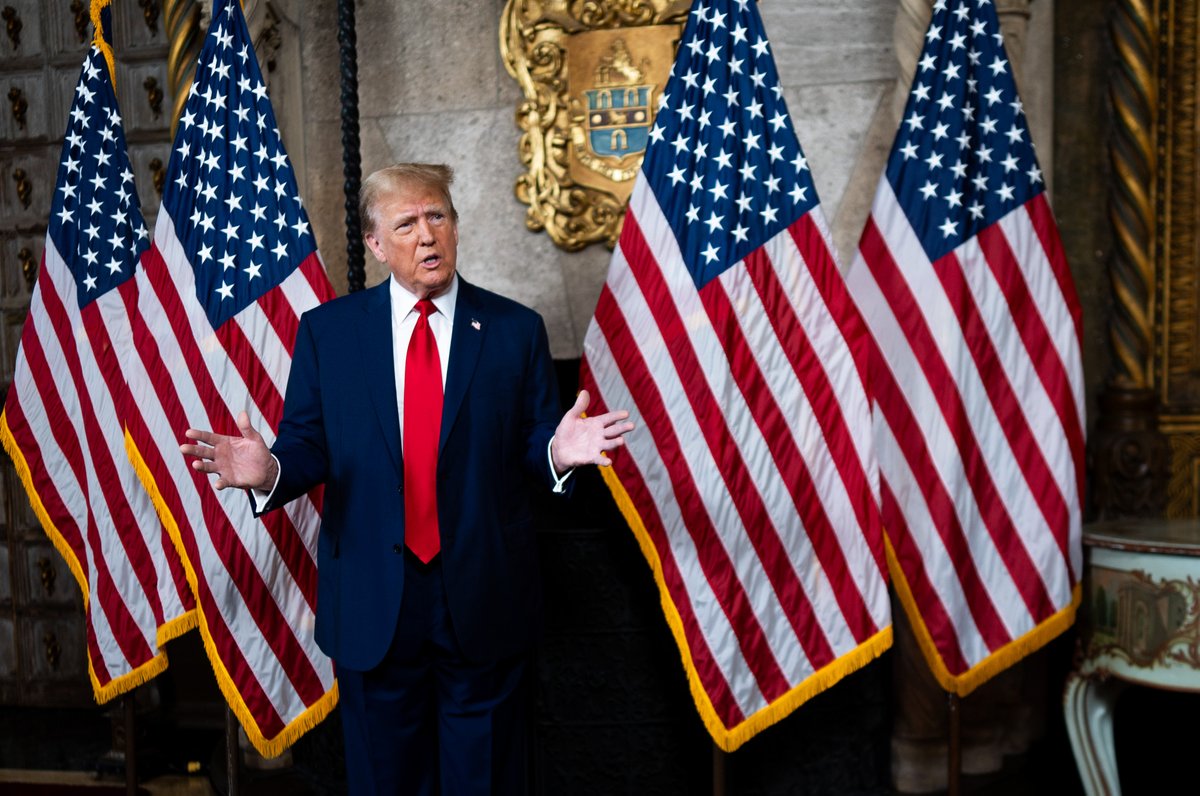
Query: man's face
415, 238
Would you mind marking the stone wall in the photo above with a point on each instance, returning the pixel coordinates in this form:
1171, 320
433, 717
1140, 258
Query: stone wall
432, 86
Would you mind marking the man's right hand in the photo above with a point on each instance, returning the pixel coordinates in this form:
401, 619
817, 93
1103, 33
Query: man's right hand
243, 462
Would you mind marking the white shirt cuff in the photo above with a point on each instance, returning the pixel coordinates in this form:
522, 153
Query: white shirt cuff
261, 498
559, 480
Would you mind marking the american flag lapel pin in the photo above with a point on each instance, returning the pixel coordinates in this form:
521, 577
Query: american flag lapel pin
475, 325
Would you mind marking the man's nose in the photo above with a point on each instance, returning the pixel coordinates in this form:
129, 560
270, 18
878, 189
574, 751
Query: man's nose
424, 231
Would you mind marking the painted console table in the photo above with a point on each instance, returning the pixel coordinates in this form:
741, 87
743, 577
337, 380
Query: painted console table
1140, 624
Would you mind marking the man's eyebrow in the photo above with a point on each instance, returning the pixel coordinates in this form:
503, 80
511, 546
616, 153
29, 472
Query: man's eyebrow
409, 217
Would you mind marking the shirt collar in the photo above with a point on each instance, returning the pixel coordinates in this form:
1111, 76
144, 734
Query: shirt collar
403, 302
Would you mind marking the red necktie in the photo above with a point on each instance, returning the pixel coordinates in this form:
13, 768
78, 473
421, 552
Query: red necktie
422, 429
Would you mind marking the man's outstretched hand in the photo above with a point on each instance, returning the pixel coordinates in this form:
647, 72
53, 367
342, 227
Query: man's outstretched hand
242, 462
583, 440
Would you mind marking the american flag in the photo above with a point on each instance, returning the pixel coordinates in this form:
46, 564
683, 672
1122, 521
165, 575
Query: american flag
979, 391
725, 325
232, 268
62, 421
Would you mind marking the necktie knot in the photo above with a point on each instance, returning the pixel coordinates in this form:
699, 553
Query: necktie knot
426, 307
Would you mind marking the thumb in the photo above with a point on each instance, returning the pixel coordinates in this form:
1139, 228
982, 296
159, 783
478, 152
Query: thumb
581, 403
243, 424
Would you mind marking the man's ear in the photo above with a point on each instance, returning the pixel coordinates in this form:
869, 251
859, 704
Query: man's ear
373, 244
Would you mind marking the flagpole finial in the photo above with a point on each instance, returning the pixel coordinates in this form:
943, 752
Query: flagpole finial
98, 39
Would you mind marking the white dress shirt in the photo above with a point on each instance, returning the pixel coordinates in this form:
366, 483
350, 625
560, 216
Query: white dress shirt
404, 321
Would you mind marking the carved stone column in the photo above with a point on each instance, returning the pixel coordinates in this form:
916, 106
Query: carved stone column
1128, 457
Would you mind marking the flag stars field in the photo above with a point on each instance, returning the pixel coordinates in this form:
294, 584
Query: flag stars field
225, 135
91, 190
995, 144
727, 88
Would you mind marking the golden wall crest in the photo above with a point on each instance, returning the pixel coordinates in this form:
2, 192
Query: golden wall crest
592, 73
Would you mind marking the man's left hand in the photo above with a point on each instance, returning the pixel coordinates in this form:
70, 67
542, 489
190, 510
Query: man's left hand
583, 440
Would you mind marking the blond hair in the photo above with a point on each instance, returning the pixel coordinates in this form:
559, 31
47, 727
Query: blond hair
435, 176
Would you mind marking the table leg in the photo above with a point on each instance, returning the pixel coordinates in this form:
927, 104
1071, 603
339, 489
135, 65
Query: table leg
1088, 706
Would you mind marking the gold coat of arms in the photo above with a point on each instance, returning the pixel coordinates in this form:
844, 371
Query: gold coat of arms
592, 73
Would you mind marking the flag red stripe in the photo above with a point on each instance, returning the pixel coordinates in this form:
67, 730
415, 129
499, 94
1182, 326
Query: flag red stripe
314, 272
713, 559
1028, 322
244, 358
138, 555
126, 632
1039, 343
759, 527
164, 289
794, 473
710, 555
47, 492
814, 380
715, 685
933, 611
233, 660
244, 574
294, 554
1042, 220
131, 412
892, 402
45, 487
827, 277
1022, 571
713, 680
282, 317
908, 433
812, 375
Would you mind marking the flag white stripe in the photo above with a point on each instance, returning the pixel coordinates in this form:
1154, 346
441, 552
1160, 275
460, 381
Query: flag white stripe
1039, 416
1002, 465
827, 343
752, 449
711, 621
1048, 297
942, 574
56, 277
259, 547
943, 452
706, 474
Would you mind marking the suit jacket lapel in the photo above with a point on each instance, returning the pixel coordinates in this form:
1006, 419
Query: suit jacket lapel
470, 326
375, 343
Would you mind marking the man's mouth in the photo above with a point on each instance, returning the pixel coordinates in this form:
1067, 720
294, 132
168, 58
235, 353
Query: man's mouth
432, 260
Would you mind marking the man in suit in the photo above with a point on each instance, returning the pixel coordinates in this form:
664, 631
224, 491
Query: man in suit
429, 597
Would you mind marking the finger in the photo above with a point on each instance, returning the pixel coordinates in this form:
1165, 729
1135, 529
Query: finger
609, 444
608, 418
198, 434
199, 451
618, 430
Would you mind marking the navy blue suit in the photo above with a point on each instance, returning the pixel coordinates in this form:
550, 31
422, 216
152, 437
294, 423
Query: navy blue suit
341, 427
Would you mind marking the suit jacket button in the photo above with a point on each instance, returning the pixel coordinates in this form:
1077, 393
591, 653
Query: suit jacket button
397, 548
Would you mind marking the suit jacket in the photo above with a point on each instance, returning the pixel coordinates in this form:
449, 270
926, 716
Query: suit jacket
341, 427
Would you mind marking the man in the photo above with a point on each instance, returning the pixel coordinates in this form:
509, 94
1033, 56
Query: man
428, 590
